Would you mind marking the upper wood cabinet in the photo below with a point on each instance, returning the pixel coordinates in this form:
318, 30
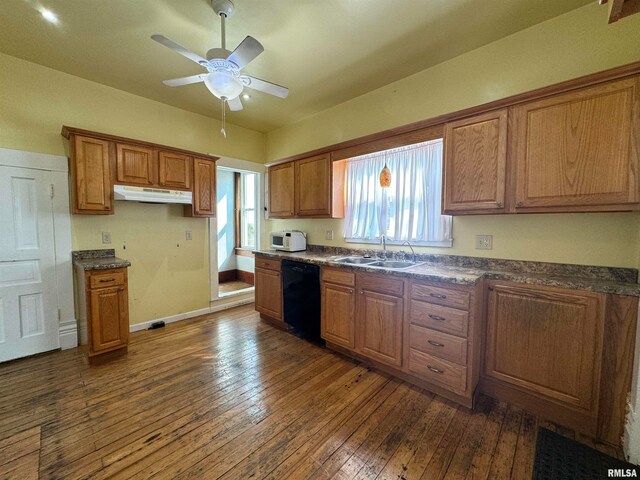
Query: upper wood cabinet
475, 159
204, 189
313, 186
97, 161
578, 150
135, 165
91, 177
545, 344
310, 187
175, 170
281, 190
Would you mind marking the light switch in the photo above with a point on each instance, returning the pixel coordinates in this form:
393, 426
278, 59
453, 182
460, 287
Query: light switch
187, 235
328, 235
106, 237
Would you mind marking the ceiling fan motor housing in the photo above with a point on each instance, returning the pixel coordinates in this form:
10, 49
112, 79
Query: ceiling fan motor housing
223, 7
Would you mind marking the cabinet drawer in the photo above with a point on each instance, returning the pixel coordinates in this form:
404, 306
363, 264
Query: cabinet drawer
449, 375
341, 277
107, 279
438, 344
441, 296
444, 319
268, 263
381, 284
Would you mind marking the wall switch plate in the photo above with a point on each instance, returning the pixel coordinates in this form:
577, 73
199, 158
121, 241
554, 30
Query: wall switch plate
484, 242
328, 235
187, 235
106, 237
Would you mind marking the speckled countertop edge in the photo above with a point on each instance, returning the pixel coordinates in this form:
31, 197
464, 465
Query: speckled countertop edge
467, 276
102, 259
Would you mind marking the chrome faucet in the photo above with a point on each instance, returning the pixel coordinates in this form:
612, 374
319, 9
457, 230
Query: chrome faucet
383, 242
413, 252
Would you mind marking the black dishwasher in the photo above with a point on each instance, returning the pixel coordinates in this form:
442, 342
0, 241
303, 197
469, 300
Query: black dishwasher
301, 292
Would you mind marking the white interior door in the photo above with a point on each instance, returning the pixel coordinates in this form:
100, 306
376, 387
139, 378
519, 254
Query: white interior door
28, 299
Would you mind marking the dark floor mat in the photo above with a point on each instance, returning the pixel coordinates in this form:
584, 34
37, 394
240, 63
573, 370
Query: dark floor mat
560, 458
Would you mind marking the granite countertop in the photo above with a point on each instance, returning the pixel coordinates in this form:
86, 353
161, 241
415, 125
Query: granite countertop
102, 259
447, 269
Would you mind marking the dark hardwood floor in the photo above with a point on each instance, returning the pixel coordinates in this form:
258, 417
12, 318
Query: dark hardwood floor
229, 396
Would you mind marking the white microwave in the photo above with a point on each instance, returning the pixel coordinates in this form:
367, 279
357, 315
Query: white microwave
289, 240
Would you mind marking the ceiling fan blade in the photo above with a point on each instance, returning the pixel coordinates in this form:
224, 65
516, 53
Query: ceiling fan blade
179, 49
264, 86
235, 104
178, 82
249, 49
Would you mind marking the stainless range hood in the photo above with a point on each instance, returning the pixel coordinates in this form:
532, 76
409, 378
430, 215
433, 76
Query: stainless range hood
150, 195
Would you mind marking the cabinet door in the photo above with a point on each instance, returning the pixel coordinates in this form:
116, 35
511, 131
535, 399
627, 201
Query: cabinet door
135, 165
174, 170
91, 176
281, 190
379, 327
547, 342
109, 318
338, 314
579, 149
204, 188
313, 186
268, 292
475, 157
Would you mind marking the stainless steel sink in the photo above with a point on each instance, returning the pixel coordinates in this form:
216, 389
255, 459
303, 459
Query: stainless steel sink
356, 260
394, 265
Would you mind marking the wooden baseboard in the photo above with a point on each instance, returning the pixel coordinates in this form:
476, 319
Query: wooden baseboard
227, 276
235, 276
246, 277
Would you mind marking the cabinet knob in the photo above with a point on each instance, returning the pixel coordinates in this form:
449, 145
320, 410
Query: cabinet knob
438, 295
520, 204
437, 317
435, 344
361, 292
434, 370
500, 204
105, 280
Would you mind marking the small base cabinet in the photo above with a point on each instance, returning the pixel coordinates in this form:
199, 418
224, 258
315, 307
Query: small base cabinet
338, 307
268, 292
104, 308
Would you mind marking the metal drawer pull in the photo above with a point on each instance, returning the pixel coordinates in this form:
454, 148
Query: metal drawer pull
437, 317
435, 344
105, 280
437, 295
434, 370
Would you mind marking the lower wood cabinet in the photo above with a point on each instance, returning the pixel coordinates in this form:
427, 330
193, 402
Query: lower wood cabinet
268, 293
104, 307
379, 323
338, 314
544, 351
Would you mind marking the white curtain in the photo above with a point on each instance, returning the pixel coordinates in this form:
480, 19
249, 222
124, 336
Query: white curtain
409, 209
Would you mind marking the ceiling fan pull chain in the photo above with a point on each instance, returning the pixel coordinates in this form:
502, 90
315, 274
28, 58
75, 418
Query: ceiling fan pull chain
222, 130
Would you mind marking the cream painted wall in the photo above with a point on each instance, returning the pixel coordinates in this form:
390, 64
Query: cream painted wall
168, 274
609, 239
36, 101
165, 279
577, 43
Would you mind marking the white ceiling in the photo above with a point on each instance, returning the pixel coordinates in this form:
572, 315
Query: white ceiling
325, 51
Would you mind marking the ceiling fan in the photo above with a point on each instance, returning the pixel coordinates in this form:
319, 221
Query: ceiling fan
224, 78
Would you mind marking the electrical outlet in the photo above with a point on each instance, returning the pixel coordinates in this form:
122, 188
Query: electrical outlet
328, 235
106, 237
484, 242
187, 235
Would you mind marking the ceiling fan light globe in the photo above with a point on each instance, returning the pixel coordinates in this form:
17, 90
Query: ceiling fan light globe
223, 85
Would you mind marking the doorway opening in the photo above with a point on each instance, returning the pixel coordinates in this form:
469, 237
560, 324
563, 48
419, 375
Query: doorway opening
237, 229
